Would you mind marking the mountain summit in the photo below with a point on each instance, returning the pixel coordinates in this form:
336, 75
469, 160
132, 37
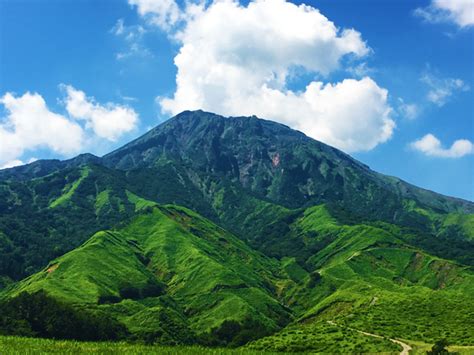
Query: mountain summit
223, 230
274, 162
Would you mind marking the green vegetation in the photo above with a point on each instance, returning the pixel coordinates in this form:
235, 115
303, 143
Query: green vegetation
283, 243
15, 345
171, 276
439, 348
69, 189
323, 337
40, 315
211, 277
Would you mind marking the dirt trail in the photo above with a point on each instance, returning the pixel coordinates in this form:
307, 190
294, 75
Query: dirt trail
406, 348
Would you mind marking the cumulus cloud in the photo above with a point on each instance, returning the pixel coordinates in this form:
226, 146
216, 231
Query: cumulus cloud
162, 13
431, 146
29, 124
352, 115
460, 12
108, 121
442, 89
237, 60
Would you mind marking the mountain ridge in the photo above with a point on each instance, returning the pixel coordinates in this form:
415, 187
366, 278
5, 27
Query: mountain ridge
43, 167
236, 229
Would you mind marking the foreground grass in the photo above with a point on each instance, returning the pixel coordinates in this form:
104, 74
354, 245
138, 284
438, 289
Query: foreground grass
420, 348
325, 338
19, 345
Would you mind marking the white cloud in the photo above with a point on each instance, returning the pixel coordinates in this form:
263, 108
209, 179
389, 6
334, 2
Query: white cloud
11, 164
29, 124
431, 146
237, 60
118, 28
162, 13
408, 110
108, 121
133, 40
460, 12
16, 162
442, 89
360, 70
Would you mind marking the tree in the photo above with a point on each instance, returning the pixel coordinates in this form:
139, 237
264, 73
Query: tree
38, 314
439, 348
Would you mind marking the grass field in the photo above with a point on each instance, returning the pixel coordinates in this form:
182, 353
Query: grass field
325, 338
420, 348
17, 345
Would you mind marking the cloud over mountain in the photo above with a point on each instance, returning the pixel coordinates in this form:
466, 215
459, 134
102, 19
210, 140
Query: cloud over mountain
29, 124
108, 121
238, 60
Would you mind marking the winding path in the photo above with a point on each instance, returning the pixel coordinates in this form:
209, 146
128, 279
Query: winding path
406, 348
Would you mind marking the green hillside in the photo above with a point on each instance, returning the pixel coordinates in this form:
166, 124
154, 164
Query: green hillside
175, 277
230, 232
169, 261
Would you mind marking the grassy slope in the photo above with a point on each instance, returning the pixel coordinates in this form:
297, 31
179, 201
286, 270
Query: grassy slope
323, 337
372, 281
74, 277
69, 189
363, 276
213, 274
210, 274
48, 216
461, 224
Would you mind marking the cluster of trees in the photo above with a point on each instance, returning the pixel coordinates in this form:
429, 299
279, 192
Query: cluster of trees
128, 291
232, 333
439, 348
39, 315
450, 244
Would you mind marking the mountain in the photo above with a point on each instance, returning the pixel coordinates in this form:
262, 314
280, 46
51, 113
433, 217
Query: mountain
273, 162
220, 231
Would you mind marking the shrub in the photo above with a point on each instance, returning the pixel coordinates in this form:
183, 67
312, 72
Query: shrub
40, 315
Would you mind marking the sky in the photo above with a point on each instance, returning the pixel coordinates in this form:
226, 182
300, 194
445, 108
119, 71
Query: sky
389, 82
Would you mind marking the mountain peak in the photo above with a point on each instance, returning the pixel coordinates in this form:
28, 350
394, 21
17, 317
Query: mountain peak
273, 162
205, 117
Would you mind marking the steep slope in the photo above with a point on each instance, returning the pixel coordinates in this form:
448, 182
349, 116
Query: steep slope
243, 173
172, 276
167, 261
45, 217
273, 162
365, 278
294, 231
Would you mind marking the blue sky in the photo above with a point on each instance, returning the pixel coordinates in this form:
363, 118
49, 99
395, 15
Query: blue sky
396, 91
